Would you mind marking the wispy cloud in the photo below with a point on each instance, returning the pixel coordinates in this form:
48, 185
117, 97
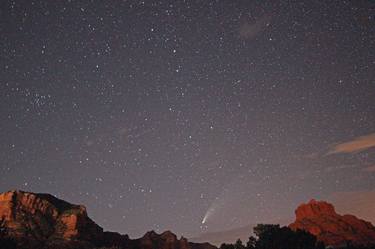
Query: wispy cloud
369, 168
251, 30
355, 145
360, 203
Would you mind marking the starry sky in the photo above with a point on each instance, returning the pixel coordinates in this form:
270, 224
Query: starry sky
155, 114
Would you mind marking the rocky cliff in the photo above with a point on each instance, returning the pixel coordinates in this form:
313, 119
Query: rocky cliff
321, 219
43, 221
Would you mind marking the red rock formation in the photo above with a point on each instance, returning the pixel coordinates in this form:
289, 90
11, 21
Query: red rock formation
41, 216
43, 221
320, 219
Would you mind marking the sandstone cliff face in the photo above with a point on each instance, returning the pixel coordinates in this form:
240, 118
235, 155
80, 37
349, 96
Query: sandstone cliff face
320, 219
42, 216
41, 221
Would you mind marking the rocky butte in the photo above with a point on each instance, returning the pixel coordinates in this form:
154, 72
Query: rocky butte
37, 221
321, 219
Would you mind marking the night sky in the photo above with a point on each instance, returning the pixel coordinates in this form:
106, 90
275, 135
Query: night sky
156, 114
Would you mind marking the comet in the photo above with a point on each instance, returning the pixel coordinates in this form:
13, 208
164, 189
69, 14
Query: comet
204, 219
220, 203
209, 212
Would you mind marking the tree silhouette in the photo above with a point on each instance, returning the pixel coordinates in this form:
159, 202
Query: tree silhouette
227, 246
239, 245
251, 243
276, 237
269, 236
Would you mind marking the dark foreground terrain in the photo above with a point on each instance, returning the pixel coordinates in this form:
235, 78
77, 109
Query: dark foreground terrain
42, 221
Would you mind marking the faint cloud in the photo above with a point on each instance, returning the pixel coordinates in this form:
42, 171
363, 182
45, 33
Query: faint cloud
250, 30
89, 142
313, 155
356, 145
340, 167
370, 169
123, 131
358, 203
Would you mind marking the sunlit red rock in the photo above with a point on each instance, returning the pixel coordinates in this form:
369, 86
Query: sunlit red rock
38, 221
41, 216
320, 219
